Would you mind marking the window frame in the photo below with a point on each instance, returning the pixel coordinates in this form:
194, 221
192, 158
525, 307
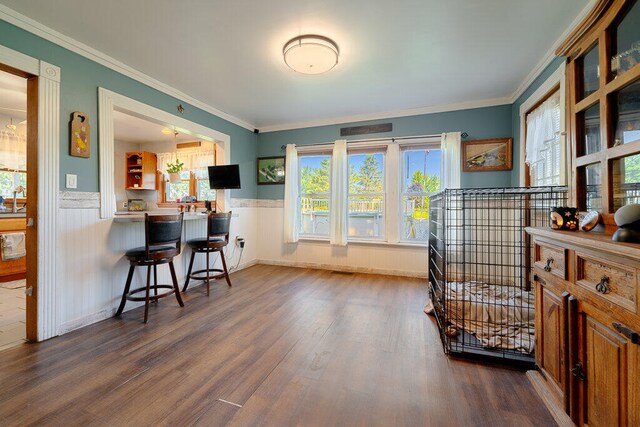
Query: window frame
301, 195
402, 193
193, 188
364, 151
556, 81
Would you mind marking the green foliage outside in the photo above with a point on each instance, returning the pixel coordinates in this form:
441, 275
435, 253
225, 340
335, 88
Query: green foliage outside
422, 183
366, 180
7, 183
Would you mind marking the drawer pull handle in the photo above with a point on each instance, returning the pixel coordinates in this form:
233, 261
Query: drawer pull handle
603, 286
548, 266
633, 336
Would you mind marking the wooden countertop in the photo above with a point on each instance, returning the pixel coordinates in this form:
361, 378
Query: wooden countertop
590, 240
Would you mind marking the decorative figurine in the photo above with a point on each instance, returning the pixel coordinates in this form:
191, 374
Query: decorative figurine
590, 220
628, 219
564, 218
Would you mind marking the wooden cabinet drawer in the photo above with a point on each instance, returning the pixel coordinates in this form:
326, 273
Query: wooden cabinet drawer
615, 282
551, 258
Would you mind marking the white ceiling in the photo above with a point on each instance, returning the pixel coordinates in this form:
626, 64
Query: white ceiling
13, 97
127, 128
395, 55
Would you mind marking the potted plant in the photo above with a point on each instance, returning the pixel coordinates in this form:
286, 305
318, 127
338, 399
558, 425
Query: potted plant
174, 169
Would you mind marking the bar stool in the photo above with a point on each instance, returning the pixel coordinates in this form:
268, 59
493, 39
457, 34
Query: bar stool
216, 240
163, 234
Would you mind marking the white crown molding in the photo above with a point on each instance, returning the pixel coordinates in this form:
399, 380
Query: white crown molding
550, 55
468, 105
41, 30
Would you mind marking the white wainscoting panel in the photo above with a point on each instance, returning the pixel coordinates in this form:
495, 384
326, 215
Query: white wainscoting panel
370, 258
92, 268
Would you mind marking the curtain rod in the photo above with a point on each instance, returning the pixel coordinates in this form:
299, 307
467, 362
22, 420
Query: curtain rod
392, 139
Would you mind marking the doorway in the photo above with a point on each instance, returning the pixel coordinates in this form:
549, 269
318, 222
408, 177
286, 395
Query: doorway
13, 204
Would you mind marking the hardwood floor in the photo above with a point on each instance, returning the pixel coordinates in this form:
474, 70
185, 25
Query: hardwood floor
284, 346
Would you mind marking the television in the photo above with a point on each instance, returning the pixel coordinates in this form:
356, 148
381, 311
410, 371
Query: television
226, 176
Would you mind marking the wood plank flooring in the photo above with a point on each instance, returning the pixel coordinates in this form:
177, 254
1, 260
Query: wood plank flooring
283, 347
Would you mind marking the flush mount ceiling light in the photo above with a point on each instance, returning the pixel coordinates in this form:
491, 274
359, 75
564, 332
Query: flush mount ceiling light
311, 54
166, 131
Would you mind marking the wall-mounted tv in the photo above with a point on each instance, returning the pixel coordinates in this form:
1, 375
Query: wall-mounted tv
226, 176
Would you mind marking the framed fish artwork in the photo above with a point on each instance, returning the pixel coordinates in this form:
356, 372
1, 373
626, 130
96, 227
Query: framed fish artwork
80, 135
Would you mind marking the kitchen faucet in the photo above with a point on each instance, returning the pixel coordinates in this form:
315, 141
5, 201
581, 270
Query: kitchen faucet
18, 189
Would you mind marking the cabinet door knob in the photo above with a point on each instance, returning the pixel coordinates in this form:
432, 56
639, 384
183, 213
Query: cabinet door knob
548, 266
603, 286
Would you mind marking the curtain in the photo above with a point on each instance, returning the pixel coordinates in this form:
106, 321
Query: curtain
13, 150
339, 192
291, 200
450, 161
195, 161
543, 131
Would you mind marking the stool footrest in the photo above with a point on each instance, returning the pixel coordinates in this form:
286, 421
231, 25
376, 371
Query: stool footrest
198, 275
130, 296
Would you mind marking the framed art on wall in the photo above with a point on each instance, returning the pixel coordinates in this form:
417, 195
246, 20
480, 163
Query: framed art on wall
487, 155
270, 170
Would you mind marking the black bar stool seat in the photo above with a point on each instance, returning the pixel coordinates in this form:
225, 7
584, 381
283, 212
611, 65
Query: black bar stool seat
216, 240
163, 235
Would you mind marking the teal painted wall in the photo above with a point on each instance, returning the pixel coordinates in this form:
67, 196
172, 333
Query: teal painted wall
479, 123
80, 79
515, 115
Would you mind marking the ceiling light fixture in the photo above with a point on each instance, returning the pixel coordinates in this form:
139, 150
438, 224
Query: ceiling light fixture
311, 54
11, 126
166, 131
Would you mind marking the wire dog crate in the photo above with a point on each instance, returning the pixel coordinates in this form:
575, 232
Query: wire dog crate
480, 268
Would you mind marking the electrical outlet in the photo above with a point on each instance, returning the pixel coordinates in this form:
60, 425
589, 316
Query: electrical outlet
240, 241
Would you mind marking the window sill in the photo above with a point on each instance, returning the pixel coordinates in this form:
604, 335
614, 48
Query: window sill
369, 242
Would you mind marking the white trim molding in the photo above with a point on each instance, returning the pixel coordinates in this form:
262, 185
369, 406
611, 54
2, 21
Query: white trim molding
79, 200
41, 30
108, 102
555, 79
48, 312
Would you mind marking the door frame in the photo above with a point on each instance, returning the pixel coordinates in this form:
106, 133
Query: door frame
43, 175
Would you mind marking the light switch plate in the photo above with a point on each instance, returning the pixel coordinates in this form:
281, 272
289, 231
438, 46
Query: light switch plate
72, 180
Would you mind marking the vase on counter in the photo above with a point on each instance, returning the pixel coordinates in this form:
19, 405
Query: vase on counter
174, 177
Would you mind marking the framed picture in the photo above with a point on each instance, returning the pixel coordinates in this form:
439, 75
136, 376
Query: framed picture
270, 170
487, 155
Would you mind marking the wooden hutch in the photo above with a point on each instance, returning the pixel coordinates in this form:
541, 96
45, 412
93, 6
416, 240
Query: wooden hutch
587, 291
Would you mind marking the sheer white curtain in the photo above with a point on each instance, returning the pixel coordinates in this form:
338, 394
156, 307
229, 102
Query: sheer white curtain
13, 150
194, 160
542, 143
339, 190
450, 160
291, 199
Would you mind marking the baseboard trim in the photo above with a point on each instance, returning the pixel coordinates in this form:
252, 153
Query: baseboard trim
558, 414
346, 268
86, 320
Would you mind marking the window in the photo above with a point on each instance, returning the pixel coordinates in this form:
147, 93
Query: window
366, 195
314, 194
420, 178
543, 143
387, 185
194, 178
9, 180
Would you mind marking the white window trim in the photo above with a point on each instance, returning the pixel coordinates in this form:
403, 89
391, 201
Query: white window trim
431, 144
313, 151
555, 79
392, 191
